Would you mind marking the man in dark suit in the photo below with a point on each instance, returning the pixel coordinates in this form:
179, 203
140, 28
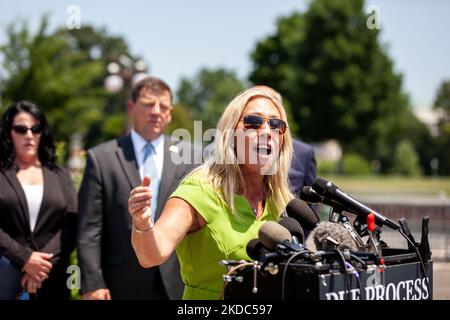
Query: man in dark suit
303, 166
108, 263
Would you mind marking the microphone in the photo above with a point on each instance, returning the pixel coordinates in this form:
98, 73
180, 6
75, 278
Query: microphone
330, 236
300, 211
255, 249
294, 228
343, 220
328, 190
274, 236
309, 195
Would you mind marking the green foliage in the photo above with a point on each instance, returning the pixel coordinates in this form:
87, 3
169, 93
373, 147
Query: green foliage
352, 164
442, 100
113, 125
326, 167
181, 118
75, 293
208, 93
337, 77
355, 165
406, 160
442, 105
63, 72
60, 151
400, 127
444, 148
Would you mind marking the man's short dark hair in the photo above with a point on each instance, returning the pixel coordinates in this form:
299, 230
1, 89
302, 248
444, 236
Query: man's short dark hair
155, 85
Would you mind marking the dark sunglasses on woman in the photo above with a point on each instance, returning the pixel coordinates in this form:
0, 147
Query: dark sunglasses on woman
21, 129
253, 121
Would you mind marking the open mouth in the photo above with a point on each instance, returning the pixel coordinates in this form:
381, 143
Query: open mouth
263, 150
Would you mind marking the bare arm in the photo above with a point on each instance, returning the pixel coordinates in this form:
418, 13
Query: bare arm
153, 247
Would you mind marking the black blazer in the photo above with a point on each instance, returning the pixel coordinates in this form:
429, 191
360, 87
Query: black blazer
55, 230
303, 167
105, 253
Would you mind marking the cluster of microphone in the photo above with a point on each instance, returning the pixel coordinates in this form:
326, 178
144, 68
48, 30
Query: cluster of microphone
300, 241
338, 238
326, 192
288, 235
276, 241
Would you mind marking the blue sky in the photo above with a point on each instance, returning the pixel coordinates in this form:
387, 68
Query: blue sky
176, 38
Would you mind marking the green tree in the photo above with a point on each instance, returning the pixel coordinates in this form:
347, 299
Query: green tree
63, 72
442, 101
442, 105
208, 92
406, 160
354, 164
337, 77
181, 118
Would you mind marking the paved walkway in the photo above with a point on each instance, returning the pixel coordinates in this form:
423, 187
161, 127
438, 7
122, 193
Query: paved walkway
441, 281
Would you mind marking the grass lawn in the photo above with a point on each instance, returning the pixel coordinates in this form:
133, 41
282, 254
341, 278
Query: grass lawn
393, 184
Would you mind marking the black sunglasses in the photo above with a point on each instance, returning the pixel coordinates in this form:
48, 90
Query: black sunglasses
20, 129
253, 121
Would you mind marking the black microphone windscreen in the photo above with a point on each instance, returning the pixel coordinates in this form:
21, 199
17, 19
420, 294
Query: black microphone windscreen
300, 211
309, 195
320, 185
271, 234
255, 249
294, 228
323, 186
318, 238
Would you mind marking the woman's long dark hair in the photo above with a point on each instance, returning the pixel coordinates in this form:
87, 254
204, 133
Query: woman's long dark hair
46, 151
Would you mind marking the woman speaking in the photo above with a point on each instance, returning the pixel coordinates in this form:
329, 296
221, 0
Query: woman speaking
220, 205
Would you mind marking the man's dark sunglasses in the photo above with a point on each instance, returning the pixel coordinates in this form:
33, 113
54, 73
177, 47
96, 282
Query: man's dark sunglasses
20, 129
253, 121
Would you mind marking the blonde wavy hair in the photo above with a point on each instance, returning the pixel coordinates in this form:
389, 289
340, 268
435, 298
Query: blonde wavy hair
223, 170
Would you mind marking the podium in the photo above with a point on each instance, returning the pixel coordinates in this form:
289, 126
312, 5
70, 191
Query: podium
400, 279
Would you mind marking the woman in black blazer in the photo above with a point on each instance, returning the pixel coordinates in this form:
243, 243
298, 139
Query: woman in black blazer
38, 206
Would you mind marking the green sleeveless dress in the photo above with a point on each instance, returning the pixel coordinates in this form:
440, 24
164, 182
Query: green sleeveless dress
225, 236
